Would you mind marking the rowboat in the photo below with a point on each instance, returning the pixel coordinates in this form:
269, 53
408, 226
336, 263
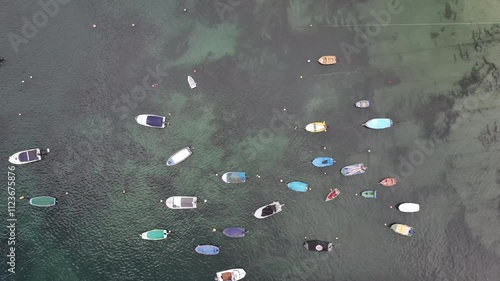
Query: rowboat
235, 232
354, 169
403, 229
369, 194
151, 120
316, 127
43, 201
323, 161
327, 60
28, 156
181, 202
388, 182
179, 156
234, 177
378, 123
268, 210
362, 104
234, 274
409, 207
208, 250
191, 82
318, 246
332, 194
155, 234
297, 186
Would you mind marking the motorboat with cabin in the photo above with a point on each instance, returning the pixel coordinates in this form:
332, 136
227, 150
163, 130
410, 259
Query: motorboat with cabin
151, 120
234, 274
181, 202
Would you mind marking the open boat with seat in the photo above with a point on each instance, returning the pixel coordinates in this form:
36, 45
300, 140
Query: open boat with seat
409, 207
208, 250
316, 127
268, 210
179, 156
327, 60
234, 177
354, 169
388, 182
234, 274
371, 194
235, 232
298, 186
28, 156
181, 202
155, 234
403, 229
378, 123
43, 201
362, 104
318, 246
332, 194
151, 120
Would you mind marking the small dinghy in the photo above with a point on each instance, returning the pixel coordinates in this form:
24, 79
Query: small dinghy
150, 120
179, 156
316, 127
268, 210
155, 234
234, 274
43, 201
362, 104
409, 207
235, 232
181, 202
369, 194
191, 82
354, 169
234, 177
297, 186
403, 229
388, 182
208, 250
323, 162
327, 60
28, 156
332, 194
318, 246
378, 123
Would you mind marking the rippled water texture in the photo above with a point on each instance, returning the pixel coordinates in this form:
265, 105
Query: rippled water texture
420, 63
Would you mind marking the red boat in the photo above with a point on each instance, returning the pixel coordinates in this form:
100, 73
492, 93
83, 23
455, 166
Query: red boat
333, 194
388, 182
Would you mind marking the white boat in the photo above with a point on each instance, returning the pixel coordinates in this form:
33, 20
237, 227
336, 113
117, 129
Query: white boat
409, 207
268, 210
181, 202
191, 82
179, 156
150, 120
27, 156
230, 274
155, 234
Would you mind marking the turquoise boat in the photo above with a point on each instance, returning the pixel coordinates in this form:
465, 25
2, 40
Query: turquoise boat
378, 123
155, 234
234, 177
323, 161
297, 186
369, 194
43, 201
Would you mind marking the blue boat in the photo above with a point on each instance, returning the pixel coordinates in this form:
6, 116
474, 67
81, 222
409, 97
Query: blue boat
378, 123
323, 161
297, 186
208, 250
235, 232
234, 177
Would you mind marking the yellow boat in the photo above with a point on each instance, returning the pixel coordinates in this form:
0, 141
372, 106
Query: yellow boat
403, 229
316, 127
327, 60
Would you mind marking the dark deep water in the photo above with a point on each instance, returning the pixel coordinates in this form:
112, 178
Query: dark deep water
438, 82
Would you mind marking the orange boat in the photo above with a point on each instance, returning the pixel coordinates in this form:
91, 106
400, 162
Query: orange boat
388, 182
327, 60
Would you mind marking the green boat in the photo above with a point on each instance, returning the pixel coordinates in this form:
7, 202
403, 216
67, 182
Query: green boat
369, 194
155, 234
43, 201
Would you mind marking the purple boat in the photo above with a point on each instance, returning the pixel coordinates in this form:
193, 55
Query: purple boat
235, 232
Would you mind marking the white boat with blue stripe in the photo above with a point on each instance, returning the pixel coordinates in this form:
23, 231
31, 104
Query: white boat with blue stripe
28, 156
150, 120
179, 156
